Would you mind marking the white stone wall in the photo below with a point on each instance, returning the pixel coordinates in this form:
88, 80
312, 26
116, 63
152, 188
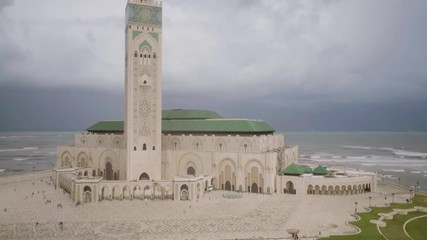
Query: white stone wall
91, 140
93, 158
240, 163
290, 155
220, 143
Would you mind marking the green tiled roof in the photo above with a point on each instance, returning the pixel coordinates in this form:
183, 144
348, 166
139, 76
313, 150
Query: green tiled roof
293, 169
189, 114
107, 126
306, 169
194, 121
320, 170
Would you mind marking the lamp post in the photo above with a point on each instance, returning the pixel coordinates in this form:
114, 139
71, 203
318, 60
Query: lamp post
392, 197
416, 186
399, 180
355, 208
370, 197
410, 193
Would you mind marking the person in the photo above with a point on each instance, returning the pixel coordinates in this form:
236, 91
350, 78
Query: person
37, 224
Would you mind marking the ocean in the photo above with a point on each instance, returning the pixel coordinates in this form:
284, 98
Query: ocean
396, 156
22, 152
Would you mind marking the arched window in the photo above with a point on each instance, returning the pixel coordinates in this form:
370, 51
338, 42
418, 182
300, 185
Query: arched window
134, 148
191, 171
108, 171
136, 53
144, 146
144, 176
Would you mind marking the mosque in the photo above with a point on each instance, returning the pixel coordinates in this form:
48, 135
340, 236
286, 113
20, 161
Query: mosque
178, 154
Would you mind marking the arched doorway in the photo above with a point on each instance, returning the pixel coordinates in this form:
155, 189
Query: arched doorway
228, 186
290, 188
310, 189
106, 192
146, 192
87, 194
184, 192
213, 180
191, 171
254, 178
144, 176
137, 193
254, 188
198, 190
108, 171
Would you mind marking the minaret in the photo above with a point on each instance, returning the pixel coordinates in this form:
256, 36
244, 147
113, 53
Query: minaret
143, 89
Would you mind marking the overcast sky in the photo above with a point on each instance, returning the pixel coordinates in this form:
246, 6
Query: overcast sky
298, 65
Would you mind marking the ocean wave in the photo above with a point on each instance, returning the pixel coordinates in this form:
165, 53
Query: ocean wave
404, 153
368, 164
13, 136
416, 172
2, 170
21, 159
394, 170
18, 149
355, 147
31, 148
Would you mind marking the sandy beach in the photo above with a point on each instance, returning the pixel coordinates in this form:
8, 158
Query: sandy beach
32, 209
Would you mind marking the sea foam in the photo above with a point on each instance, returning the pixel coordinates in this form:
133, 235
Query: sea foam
394, 170
18, 149
21, 159
356, 147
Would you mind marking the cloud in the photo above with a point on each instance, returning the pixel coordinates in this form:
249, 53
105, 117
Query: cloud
69, 44
240, 57
5, 3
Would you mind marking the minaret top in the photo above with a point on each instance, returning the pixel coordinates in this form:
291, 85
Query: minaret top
154, 3
144, 12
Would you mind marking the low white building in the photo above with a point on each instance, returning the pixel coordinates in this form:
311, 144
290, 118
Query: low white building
302, 180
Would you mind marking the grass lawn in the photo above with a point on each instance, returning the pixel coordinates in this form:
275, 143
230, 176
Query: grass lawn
417, 229
394, 228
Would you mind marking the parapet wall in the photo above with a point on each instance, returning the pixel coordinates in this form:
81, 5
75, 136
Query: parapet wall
229, 143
